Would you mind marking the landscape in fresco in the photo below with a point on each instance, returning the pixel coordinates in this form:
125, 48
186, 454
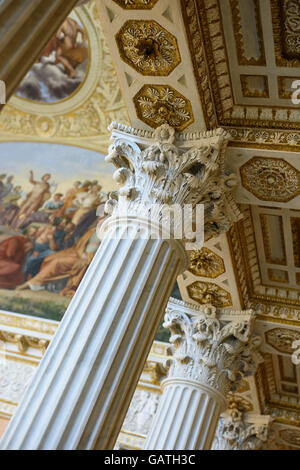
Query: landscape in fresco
61, 66
49, 195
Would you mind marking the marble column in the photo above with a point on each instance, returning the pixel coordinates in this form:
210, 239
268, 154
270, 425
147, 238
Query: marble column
241, 431
80, 394
213, 350
26, 26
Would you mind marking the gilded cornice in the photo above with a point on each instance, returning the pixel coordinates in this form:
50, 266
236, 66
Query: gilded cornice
12, 320
243, 249
204, 27
195, 40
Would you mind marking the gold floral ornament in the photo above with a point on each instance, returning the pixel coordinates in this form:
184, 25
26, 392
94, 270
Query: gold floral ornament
282, 339
290, 28
271, 179
243, 386
206, 293
158, 104
136, 4
206, 263
239, 403
148, 47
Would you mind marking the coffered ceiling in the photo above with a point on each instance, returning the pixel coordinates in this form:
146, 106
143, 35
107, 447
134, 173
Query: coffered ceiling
250, 51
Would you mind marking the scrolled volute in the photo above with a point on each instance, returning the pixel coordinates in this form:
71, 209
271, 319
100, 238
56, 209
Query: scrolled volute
239, 431
164, 168
212, 347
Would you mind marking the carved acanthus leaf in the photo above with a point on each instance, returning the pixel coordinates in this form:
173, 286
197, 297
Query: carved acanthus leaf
236, 431
164, 168
209, 348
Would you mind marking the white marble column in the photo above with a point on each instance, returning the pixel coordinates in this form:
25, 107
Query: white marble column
241, 431
213, 349
83, 387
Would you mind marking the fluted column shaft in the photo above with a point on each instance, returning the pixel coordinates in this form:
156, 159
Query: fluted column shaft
26, 26
187, 416
212, 350
82, 389
84, 384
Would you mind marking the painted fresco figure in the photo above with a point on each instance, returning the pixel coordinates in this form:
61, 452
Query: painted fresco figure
44, 215
12, 255
70, 52
87, 202
34, 200
2, 185
6, 188
44, 246
70, 263
10, 208
69, 206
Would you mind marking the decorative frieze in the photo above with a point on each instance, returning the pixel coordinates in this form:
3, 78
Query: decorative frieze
141, 412
23, 341
14, 380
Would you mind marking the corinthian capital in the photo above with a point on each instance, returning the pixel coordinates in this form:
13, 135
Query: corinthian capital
164, 168
241, 431
211, 346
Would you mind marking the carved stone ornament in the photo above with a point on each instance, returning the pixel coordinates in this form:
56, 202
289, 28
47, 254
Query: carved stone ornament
156, 371
141, 412
164, 168
271, 179
237, 432
136, 4
24, 342
211, 346
14, 379
148, 47
206, 263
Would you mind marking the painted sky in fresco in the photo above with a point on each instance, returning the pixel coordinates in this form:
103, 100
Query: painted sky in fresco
62, 66
66, 164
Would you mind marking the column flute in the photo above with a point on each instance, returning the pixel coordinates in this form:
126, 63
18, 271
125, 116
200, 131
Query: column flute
82, 389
